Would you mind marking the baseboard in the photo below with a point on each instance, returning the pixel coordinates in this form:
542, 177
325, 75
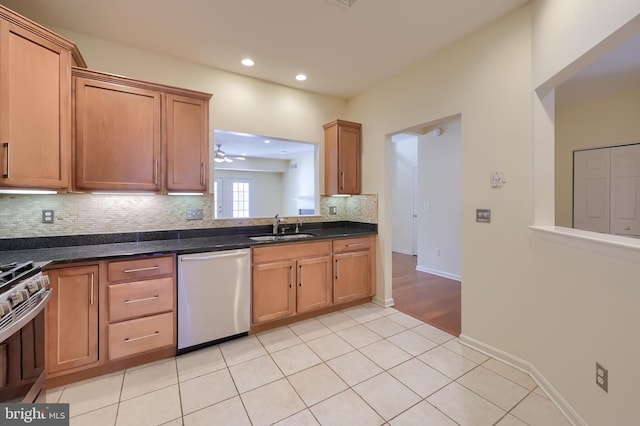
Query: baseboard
439, 273
571, 415
562, 404
385, 303
402, 251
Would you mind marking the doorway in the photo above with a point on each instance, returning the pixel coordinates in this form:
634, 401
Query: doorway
426, 224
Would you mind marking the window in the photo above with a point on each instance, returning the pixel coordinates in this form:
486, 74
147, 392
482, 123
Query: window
240, 199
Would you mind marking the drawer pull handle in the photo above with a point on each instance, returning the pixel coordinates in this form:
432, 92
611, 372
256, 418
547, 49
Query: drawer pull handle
6, 146
354, 245
150, 268
91, 297
142, 300
128, 340
155, 172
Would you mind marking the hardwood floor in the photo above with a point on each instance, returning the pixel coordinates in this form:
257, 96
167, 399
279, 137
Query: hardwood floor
430, 298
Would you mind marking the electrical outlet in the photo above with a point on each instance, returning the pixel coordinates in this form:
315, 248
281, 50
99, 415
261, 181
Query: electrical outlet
194, 214
48, 216
602, 377
333, 210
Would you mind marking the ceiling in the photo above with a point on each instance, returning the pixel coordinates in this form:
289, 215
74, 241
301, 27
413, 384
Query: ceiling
247, 145
343, 50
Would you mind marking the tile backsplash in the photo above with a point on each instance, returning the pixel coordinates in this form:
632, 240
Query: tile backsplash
80, 214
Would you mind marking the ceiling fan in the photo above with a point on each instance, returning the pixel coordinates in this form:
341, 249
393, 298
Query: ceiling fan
221, 157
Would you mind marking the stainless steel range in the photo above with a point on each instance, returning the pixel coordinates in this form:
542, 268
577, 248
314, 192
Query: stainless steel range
23, 296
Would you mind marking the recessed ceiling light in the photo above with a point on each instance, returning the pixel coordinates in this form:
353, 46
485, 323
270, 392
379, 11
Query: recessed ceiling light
247, 62
301, 77
267, 141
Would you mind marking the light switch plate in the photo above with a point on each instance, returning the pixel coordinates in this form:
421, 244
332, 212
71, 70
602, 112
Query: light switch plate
483, 215
333, 210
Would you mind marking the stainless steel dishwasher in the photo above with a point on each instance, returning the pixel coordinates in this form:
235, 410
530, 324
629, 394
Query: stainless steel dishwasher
214, 297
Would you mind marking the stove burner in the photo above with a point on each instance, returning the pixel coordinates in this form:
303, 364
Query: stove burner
11, 272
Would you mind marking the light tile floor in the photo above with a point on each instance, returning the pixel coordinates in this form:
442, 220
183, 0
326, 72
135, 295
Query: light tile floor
361, 366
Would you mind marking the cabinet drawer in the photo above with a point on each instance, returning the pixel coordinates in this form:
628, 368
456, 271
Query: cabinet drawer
291, 251
140, 335
135, 269
140, 298
351, 244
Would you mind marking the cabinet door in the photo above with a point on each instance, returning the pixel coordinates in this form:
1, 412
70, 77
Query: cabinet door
273, 291
348, 160
352, 277
35, 110
187, 142
72, 318
117, 139
342, 157
313, 284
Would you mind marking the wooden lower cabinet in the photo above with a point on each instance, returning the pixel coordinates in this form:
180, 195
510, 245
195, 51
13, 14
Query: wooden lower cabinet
313, 289
353, 268
71, 318
273, 293
352, 279
109, 315
290, 279
140, 305
140, 335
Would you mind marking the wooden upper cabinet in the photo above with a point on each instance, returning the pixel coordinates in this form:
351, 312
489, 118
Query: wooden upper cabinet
187, 141
342, 157
117, 136
139, 136
35, 105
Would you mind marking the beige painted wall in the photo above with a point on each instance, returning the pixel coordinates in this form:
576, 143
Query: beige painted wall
522, 294
605, 121
486, 78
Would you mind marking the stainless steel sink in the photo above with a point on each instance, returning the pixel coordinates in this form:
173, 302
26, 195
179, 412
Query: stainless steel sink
262, 238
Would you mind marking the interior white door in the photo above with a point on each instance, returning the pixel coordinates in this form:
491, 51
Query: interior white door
591, 189
625, 190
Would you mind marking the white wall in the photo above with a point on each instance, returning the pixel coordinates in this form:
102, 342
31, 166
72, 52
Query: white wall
440, 202
405, 152
299, 184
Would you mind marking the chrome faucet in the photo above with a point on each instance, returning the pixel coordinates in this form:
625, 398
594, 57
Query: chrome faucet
298, 225
276, 222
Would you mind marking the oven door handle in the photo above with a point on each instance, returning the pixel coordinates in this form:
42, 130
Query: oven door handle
17, 325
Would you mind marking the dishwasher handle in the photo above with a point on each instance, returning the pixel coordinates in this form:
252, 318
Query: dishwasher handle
217, 256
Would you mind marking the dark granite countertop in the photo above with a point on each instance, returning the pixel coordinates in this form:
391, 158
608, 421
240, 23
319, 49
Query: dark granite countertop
54, 250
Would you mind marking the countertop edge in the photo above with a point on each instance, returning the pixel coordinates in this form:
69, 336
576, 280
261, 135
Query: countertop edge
52, 256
